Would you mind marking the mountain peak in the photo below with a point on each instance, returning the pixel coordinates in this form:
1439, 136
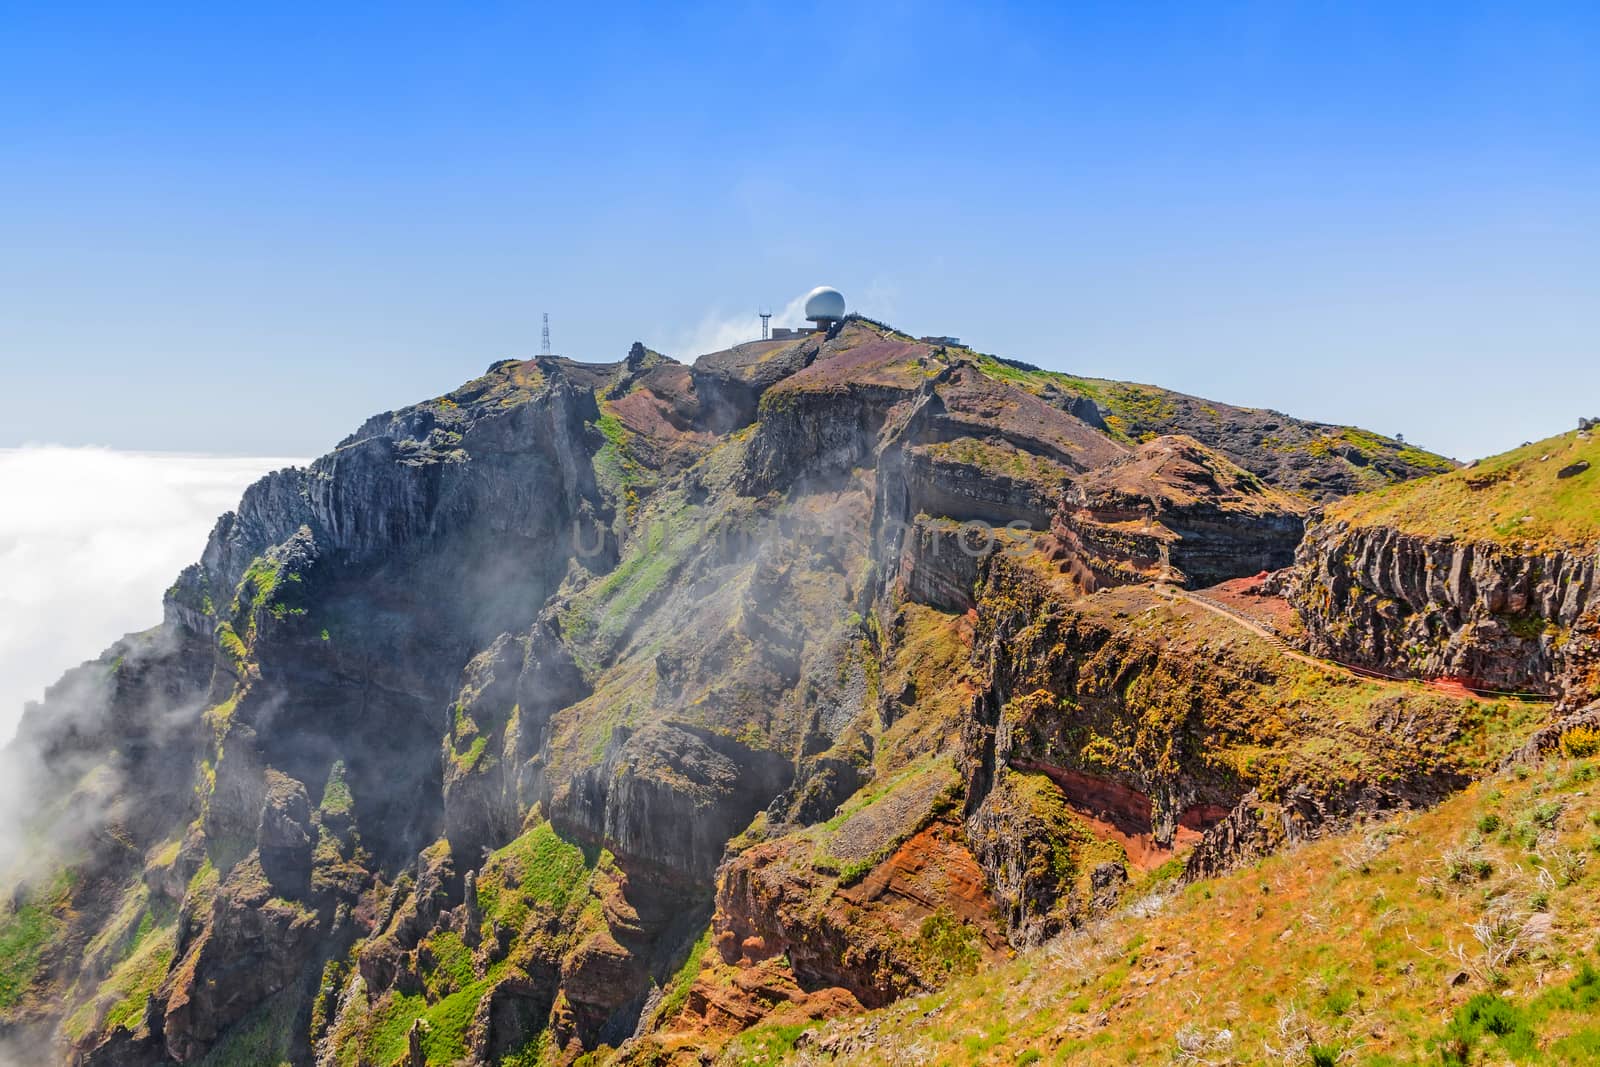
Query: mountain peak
849, 659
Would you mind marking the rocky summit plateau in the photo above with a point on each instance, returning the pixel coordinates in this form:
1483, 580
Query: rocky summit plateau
842, 698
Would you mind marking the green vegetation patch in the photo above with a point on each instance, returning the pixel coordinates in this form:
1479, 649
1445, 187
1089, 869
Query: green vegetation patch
604, 611
947, 946
1068, 847
1132, 412
233, 647
539, 870
616, 465
444, 1025
452, 964
1369, 446
677, 989
336, 796
1484, 1015
131, 983
26, 930
260, 581
467, 761
764, 1046
220, 716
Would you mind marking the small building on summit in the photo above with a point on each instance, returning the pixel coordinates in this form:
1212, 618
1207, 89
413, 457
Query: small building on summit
824, 307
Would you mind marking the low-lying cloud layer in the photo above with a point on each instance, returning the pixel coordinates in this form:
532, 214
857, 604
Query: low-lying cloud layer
89, 540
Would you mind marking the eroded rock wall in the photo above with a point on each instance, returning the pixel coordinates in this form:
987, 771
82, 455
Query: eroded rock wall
1495, 616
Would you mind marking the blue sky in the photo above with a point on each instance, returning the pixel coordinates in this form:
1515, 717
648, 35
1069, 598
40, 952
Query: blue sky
242, 231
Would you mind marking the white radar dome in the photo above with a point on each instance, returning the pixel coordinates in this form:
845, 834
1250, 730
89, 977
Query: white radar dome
824, 304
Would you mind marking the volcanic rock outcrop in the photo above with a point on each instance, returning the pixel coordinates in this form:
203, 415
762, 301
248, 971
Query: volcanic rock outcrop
609, 706
1494, 616
1487, 576
1176, 511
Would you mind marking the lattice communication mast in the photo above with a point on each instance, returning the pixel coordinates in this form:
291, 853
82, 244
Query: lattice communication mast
766, 324
544, 346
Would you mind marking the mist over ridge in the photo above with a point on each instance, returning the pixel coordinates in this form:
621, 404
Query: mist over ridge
89, 540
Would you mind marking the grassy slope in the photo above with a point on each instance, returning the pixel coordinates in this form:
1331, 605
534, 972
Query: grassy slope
1358, 949
28, 925
1514, 496
1135, 412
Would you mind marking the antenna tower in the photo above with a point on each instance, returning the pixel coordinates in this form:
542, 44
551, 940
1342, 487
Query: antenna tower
545, 346
766, 324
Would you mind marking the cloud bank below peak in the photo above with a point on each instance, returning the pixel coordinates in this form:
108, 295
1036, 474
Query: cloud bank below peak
90, 538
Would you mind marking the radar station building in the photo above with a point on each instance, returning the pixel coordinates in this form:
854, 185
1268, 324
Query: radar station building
824, 307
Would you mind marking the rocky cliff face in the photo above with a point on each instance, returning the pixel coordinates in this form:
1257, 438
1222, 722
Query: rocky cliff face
763, 682
1137, 726
1485, 575
1495, 616
1176, 511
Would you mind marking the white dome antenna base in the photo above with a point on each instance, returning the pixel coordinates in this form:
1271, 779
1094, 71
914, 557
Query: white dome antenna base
824, 306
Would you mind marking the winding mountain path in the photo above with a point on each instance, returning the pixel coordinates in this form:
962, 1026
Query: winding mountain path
1174, 593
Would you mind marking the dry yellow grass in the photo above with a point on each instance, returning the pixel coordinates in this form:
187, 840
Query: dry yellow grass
1365, 948
1517, 496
